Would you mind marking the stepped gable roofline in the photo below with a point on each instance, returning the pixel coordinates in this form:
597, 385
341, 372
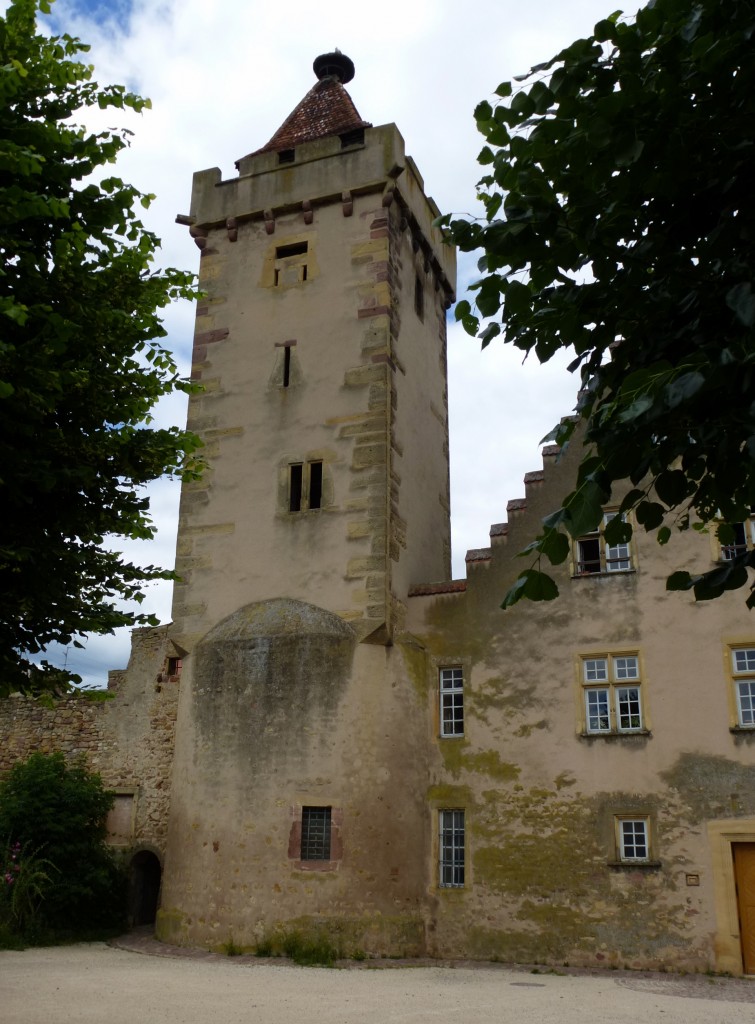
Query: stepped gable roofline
327, 109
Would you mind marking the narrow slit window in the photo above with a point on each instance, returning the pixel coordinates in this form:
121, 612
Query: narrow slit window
315, 484
419, 297
286, 366
296, 474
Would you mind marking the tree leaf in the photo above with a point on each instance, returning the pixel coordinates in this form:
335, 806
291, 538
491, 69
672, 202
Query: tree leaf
682, 388
533, 585
671, 487
650, 514
517, 297
680, 580
741, 300
555, 546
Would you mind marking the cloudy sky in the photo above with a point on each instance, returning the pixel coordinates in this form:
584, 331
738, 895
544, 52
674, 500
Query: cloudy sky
222, 76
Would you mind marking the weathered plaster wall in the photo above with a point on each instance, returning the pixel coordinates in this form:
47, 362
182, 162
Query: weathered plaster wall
282, 709
358, 357
540, 797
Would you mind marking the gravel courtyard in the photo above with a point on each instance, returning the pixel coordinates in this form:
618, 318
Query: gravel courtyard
97, 983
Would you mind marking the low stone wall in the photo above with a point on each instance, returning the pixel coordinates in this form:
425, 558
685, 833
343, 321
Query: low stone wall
126, 734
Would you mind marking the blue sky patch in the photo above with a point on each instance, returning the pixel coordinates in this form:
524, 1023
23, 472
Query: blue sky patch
104, 11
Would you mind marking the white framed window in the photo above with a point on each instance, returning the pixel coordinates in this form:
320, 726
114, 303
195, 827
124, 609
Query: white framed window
633, 839
743, 675
594, 555
612, 694
451, 702
451, 840
744, 540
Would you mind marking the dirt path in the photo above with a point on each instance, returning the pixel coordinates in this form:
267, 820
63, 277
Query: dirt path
103, 985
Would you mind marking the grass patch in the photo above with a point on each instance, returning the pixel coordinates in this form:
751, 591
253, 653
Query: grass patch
310, 952
307, 951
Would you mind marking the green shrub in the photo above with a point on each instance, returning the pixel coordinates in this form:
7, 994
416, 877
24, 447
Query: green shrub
53, 815
307, 952
27, 879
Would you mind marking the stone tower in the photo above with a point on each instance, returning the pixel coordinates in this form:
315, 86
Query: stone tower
320, 346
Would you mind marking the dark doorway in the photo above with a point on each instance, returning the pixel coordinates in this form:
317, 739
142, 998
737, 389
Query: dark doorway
144, 887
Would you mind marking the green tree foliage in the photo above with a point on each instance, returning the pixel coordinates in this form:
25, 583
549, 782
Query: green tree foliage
53, 817
80, 366
619, 220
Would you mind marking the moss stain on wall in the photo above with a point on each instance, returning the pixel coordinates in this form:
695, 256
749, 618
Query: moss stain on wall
544, 858
710, 787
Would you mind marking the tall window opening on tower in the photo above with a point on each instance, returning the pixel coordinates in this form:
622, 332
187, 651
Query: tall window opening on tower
305, 486
291, 264
296, 474
315, 484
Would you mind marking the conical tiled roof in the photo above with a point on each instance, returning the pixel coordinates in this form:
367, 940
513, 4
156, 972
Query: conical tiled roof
327, 109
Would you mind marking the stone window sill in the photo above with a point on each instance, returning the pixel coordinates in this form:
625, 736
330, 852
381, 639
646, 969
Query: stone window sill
603, 574
615, 735
635, 865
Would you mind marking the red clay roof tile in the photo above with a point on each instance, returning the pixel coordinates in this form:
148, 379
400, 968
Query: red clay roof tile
327, 109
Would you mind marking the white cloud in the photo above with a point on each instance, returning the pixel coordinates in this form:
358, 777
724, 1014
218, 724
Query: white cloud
223, 76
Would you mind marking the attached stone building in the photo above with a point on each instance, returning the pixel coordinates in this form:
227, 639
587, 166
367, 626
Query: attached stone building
334, 737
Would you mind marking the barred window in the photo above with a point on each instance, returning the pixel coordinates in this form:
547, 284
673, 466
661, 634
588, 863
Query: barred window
315, 833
